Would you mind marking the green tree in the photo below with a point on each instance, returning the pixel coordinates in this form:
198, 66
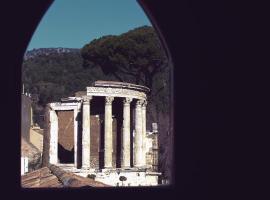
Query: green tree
136, 56
122, 178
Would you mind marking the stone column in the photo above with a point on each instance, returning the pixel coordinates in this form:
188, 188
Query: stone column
86, 132
108, 138
53, 155
138, 155
144, 132
75, 114
125, 161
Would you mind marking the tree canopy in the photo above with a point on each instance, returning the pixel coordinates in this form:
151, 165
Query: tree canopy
136, 56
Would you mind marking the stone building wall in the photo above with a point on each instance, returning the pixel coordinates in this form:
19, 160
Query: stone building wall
155, 152
25, 117
152, 152
97, 141
36, 138
95, 130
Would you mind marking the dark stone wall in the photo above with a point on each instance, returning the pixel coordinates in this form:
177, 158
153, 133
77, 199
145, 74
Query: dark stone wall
66, 129
66, 136
96, 148
115, 154
25, 117
97, 142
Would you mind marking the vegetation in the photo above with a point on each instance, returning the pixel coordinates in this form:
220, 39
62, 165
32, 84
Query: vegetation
134, 57
51, 77
91, 176
122, 178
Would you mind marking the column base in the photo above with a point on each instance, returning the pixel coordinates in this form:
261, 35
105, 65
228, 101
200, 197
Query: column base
108, 167
107, 170
140, 166
126, 167
85, 167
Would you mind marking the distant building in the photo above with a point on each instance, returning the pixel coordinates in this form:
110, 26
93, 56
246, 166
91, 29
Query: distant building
31, 137
36, 137
30, 157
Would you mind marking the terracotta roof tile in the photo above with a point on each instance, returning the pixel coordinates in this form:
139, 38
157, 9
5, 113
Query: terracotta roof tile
53, 176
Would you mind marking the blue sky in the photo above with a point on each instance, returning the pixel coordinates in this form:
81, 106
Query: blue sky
74, 23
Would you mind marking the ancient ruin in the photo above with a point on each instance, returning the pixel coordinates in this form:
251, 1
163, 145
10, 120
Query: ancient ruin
103, 135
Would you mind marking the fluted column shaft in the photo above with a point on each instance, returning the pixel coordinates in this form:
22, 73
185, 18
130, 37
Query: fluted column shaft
86, 135
125, 161
144, 132
138, 155
108, 137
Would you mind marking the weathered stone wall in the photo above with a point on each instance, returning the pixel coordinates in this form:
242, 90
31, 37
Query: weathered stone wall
66, 129
155, 153
95, 131
25, 116
152, 152
66, 136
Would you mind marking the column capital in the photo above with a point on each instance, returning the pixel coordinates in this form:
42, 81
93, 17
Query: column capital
87, 99
127, 100
144, 103
109, 99
139, 102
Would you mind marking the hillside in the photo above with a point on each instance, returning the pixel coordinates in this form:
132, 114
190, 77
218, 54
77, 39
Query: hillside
48, 51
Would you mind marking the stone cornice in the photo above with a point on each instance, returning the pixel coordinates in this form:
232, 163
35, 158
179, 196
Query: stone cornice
115, 84
64, 106
86, 99
115, 92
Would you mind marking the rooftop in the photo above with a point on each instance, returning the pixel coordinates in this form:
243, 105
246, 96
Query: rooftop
55, 177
